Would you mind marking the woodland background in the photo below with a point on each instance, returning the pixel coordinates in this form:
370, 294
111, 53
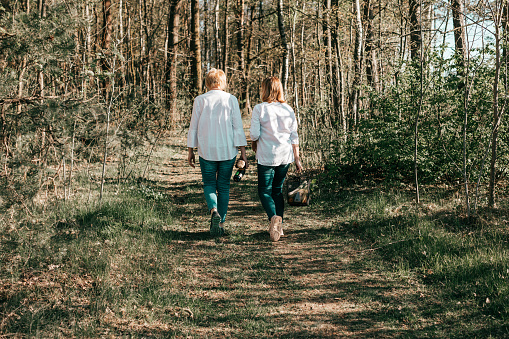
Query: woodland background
402, 123
411, 91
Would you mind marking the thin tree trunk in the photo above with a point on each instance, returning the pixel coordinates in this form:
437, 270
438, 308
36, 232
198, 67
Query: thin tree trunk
418, 115
106, 43
241, 55
206, 46
225, 37
303, 62
294, 67
496, 121
371, 59
328, 47
171, 66
458, 12
341, 89
42, 8
72, 157
319, 40
196, 71
284, 45
354, 100
217, 42
414, 9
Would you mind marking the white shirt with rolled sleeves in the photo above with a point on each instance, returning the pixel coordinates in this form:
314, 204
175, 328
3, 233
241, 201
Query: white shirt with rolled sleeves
274, 126
216, 126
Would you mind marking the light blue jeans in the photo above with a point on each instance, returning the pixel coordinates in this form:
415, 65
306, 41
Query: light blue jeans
270, 188
216, 184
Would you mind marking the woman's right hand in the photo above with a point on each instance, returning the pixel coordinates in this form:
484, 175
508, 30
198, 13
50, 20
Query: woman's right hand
254, 145
298, 164
190, 157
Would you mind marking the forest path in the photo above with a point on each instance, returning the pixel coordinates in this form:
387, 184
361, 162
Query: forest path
317, 281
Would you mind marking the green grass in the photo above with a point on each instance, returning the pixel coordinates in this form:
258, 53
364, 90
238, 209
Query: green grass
130, 267
465, 265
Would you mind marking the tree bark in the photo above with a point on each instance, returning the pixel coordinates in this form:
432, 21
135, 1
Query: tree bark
458, 15
414, 9
319, 43
241, 55
106, 43
225, 37
371, 59
217, 42
196, 68
171, 66
206, 47
354, 98
496, 121
284, 45
42, 8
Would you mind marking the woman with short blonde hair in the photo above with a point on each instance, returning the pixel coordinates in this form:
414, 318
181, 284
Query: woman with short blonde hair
276, 143
215, 78
216, 130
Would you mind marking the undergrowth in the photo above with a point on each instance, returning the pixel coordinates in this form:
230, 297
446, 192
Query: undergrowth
466, 262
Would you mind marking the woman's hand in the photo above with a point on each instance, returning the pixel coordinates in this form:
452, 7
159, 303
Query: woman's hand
243, 156
296, 157
190, 157
298, 165
254, 145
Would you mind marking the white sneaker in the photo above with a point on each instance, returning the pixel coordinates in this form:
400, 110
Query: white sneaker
275, 228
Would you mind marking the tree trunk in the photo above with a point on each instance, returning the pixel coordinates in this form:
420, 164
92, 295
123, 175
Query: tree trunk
196, 71
354, 99
294, 67
458, 13
206, 47
106, 43
225, 37
42, 8
371, 59
414, 9
303, 83
217, 42
241, 55
171, 66
341, 88
328, 44
284, 44
496, 121
319, 43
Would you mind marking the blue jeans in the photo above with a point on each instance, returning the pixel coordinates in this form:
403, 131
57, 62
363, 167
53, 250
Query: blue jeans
270, 188
216, 184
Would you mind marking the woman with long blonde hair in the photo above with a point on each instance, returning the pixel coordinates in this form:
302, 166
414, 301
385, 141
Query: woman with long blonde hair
276, 143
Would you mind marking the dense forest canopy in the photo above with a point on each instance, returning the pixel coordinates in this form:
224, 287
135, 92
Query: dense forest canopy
376, 88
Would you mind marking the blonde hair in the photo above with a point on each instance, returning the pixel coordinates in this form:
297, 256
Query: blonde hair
215, 78
272, 90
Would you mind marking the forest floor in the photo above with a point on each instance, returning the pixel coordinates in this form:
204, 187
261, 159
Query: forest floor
144, 265
314, 282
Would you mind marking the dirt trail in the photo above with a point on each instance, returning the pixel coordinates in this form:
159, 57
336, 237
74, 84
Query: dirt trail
314, 282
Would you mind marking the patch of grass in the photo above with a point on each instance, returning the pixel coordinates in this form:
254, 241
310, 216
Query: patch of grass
359, 262
93, 269
466, 265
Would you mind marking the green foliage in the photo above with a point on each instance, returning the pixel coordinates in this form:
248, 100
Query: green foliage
381, 146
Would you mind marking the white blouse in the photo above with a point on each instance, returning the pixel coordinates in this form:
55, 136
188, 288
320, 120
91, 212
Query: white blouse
275, 127
216, 126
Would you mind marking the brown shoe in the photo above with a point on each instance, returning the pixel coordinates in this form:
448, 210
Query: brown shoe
275, 228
